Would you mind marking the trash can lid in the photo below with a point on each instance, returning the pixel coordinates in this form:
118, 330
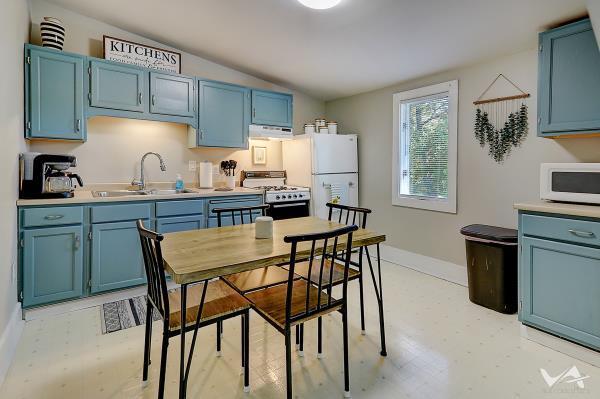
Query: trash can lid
492, 233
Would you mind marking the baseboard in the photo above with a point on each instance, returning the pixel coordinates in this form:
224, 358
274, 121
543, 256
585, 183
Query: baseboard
561, 345
9, 340
425, 264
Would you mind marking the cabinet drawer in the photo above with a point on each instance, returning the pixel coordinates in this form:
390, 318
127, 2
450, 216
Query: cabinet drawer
179, 223
176, 208
51, 216
571, 230
115, 213
232, 202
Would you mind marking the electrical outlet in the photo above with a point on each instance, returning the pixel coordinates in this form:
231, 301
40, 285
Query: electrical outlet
192, 166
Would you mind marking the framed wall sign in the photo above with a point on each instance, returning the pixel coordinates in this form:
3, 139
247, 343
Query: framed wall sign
259, 155
141, 55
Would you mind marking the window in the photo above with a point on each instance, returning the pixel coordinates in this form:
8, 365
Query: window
425, 139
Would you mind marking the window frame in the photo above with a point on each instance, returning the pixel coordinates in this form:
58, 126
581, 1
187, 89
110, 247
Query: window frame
447, 205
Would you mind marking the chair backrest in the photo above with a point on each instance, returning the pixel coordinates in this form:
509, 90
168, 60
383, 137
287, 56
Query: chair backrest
349, 214
155, 273
324, 245
246, 213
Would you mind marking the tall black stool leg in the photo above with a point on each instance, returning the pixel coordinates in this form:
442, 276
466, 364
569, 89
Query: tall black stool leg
361, 292
288, 361
246, 350
297, 336
320, 338
379, 294
182, 380
147, 340
163, 361
219, 338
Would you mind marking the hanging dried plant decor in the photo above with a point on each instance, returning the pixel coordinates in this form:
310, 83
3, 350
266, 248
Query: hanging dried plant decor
501, 123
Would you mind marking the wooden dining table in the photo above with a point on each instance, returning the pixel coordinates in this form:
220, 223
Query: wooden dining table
201, 255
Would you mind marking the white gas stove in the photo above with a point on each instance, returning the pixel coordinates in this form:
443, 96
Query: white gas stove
286, 201
273, 184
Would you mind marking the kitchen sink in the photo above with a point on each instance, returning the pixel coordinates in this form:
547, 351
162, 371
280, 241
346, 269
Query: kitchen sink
125, 193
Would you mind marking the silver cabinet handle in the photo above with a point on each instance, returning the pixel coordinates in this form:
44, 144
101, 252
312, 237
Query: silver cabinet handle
78, 125
152, 99
201, 134
53, 217
254, 112
77, 241
584, 234
140, 97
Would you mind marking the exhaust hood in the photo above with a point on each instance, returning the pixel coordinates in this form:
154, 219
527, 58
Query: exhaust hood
270, 132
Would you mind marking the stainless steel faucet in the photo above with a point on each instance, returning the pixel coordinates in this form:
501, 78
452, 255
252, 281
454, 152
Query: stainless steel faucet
141, 184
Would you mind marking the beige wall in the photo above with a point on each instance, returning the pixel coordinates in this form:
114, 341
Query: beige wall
486, 190
115, 146
14, 31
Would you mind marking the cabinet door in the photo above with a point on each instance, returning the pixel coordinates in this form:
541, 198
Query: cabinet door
55, 95
171, 95
224, 115
559, 285
269, 108
179, 223
569, 80
116, 256
52, 264
118, 87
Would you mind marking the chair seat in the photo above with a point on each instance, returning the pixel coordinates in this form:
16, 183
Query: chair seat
220, 300
301, 269
259, 278
270, 302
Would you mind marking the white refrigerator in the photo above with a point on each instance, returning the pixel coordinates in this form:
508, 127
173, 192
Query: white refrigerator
328, 164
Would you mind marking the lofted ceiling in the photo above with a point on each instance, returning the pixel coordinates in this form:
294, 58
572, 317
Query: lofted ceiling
357, 46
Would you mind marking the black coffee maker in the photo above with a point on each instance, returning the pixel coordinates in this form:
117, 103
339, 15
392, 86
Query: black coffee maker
46, 176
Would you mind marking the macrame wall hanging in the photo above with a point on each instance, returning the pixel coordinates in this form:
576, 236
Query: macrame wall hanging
501, 122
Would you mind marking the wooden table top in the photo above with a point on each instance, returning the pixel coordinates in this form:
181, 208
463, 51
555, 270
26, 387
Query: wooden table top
197, 255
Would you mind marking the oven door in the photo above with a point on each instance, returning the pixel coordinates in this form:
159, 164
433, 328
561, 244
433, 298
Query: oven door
288, 210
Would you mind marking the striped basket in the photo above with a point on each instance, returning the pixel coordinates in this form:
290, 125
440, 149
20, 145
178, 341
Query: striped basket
53, 33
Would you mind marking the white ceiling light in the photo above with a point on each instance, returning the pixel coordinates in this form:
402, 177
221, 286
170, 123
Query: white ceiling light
320, 4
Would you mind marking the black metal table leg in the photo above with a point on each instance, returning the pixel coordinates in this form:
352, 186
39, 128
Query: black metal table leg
182, 312
379, 294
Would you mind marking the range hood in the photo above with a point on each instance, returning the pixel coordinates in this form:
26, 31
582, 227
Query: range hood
270, 132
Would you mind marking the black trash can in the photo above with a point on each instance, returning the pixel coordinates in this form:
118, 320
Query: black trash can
492, 265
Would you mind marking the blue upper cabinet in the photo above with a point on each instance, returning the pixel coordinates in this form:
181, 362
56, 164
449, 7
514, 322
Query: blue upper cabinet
224, 115
270, 108
118, 87
54, 95
569, 81
172, 95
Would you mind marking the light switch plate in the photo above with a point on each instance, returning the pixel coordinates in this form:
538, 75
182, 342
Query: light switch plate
192, 166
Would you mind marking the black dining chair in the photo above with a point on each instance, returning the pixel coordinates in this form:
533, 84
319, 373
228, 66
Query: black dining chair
349, 215
298, 301
252, 280
214, 300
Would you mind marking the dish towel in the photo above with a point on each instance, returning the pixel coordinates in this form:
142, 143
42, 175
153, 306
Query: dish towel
339, 193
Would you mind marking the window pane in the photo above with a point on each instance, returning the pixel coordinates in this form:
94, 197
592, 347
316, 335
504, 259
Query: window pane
425, 155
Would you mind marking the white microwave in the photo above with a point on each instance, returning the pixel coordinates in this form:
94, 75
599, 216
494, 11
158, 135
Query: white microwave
570, 182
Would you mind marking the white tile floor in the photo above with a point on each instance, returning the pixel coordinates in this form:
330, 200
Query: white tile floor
439, 344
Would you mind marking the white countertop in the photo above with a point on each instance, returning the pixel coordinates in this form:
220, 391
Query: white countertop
592, 211
85, 196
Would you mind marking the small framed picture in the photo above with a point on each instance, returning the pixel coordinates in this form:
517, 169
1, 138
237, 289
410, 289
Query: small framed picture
259, 155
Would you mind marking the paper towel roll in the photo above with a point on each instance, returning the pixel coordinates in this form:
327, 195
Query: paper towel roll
205, 174
264, 227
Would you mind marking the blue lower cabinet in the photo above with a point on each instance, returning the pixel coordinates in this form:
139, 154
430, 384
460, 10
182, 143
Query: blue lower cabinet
52, 264
559, 289
116, 260
179, 223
